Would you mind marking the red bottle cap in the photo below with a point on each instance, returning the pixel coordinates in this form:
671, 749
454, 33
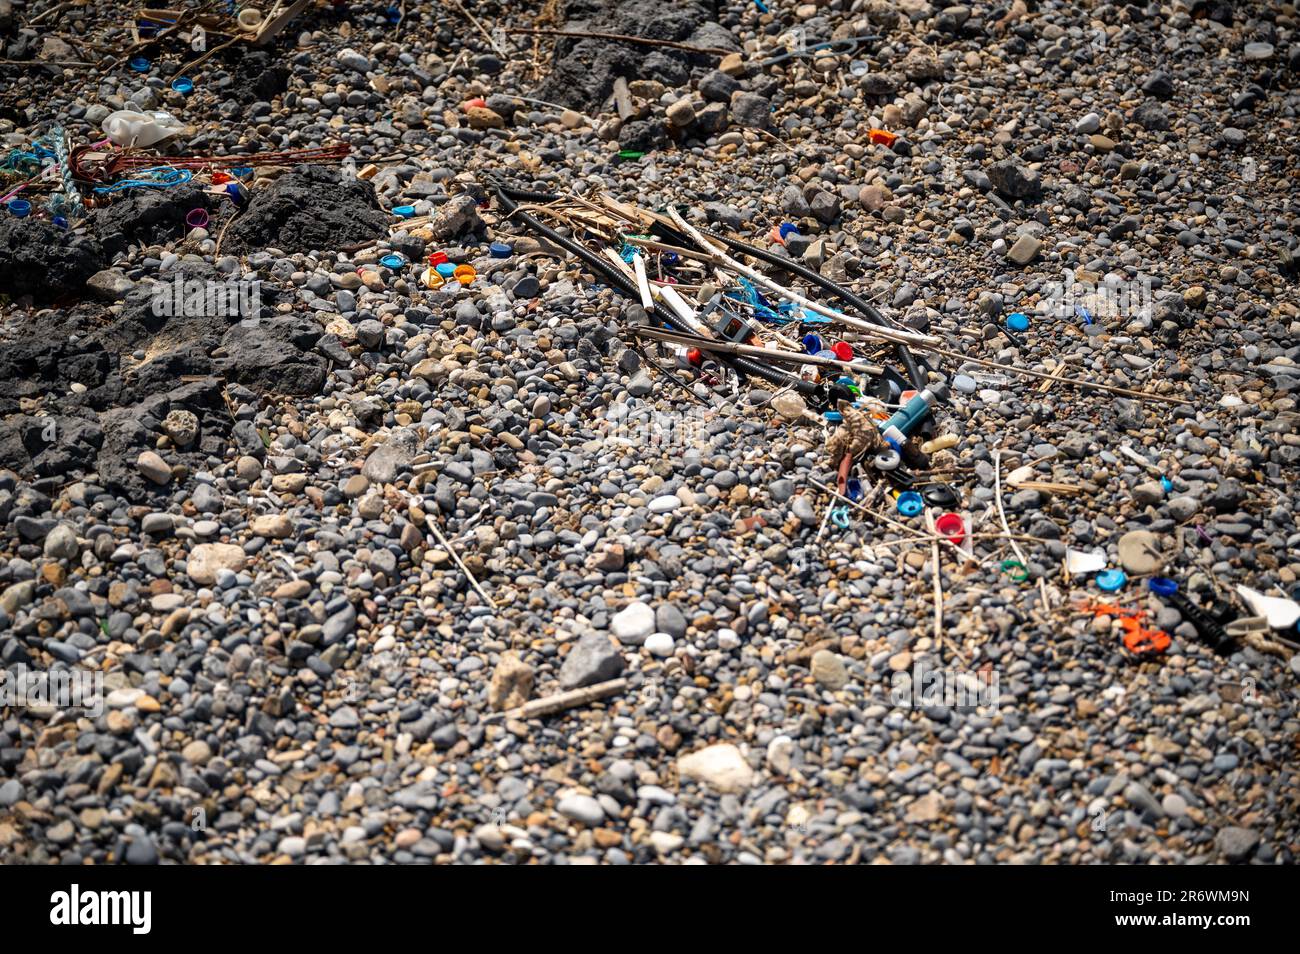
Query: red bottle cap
952, 526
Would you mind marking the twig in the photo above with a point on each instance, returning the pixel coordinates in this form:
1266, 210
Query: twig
481, 29
622, 98
216, 252
203, 58
46, 63
771, 354
549, 705
1002, 515
53, 11
621, 37
903, 528
277, 21
1074, 382
433, 527
939, 635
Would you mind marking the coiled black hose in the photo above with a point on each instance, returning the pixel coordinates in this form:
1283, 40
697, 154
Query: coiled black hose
509, 198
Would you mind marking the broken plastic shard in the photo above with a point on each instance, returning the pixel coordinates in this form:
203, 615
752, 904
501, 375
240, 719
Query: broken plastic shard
1281, 613
789, 405
1081, 561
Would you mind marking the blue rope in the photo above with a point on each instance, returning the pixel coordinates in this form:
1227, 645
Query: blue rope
154, 177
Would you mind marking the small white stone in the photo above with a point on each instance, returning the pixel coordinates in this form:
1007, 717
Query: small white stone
722, 767
665, 504
659, 644
581, 808
633, 624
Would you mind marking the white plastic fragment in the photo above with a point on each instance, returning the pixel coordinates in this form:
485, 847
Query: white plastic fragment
1083, 561
1281, 613
126, 127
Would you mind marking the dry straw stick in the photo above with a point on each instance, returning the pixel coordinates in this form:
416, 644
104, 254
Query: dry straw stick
548, 705
433, 527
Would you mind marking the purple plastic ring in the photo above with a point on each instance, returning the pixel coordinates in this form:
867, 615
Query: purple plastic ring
197, 218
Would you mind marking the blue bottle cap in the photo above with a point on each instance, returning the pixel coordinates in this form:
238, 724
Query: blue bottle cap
183, 84
19, 207
392, 261
788, 228
853, 489
910, 503
1017, 321
140, 64
445, 269
812, 343
404, 211
237, 193
833, 416
1162, 586
1111, 580
59, 222
500, 250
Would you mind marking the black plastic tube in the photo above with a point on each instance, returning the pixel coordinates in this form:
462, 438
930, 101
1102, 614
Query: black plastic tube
508, 198
867, 309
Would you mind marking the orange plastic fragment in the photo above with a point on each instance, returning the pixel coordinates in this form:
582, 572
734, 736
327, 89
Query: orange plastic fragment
1137, 639
882, 137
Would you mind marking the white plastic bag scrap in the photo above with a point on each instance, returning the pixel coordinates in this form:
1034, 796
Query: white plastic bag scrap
1081, 561
126, 127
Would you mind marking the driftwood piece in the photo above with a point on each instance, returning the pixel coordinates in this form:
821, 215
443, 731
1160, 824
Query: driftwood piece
273, 24
549, 705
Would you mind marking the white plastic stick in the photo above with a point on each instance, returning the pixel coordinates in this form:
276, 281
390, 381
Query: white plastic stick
643, 283
758, 278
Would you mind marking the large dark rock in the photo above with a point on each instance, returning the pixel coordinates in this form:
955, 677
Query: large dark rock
275, 355
309, 207
585, 69
43, 261
191, 357
1013, 181
147, 217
